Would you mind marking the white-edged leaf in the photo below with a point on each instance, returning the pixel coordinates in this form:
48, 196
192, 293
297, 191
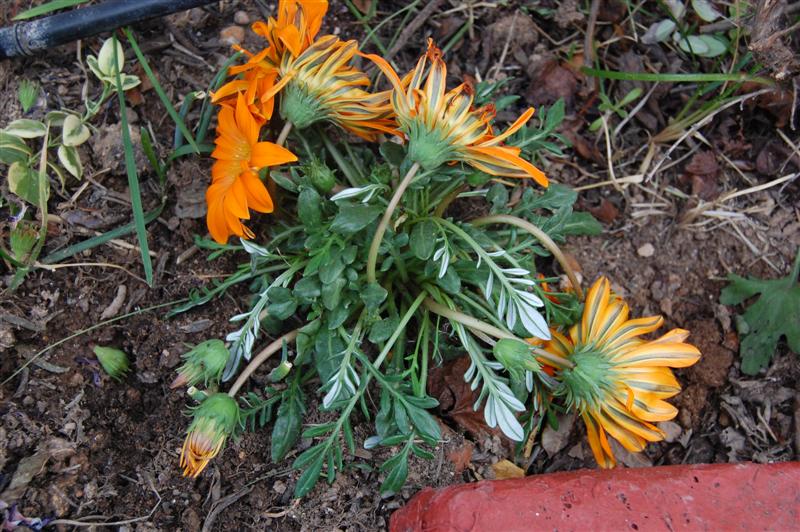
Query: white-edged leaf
501, 304
438, 254
372, 442
676, 7
499, 253
487, 291
659, 31
94, 66
524, 282
530, 298
519, 272
25, 128
70, 159
533, 321
508, 422
254, 249
691, 44
445, 264
511, 315
706, 10
105, 59
716, 46
74, 132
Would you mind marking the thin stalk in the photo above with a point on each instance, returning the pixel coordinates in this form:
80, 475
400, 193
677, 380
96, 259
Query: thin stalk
491, 330
540, 235
284, 134
372, 258
259, 359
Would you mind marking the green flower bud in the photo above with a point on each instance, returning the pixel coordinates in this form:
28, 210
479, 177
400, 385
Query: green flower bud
320, 176
214, 421
204, 363
516, 357
114, 361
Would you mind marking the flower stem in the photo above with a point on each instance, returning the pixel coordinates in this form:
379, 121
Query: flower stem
540, 235
372, 258
259, 359
284, 134
491, 330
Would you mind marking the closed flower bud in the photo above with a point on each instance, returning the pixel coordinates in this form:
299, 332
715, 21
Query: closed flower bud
214, 421
204, 363
320, 176
516, 357
114, 361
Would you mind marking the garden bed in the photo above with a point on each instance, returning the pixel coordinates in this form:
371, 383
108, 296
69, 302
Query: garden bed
106, 449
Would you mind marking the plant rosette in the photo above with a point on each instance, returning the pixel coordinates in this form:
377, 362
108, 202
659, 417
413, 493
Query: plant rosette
386, 257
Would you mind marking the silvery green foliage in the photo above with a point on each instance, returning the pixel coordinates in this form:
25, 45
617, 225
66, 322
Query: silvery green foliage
515, 303
700, 45
500, 401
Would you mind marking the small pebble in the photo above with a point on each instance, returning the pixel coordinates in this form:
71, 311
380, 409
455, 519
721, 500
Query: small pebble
232, 35
241, 18
646, 250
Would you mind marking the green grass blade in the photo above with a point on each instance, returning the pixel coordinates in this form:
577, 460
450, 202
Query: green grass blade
99, 240
160, 91
691, 78
133, 178
47, 8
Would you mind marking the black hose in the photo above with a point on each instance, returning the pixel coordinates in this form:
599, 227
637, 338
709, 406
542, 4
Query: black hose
26, 38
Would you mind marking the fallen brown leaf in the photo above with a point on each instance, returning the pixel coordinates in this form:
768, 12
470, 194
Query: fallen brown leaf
461, 456
606, 212
505, 469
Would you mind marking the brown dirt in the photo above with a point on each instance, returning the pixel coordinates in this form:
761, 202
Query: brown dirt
111, 449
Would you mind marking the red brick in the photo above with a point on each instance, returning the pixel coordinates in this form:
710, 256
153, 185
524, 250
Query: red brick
699, 497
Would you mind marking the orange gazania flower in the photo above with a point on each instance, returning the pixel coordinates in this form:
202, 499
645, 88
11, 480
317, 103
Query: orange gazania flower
619, 381
443, 126
235, 186
313, 75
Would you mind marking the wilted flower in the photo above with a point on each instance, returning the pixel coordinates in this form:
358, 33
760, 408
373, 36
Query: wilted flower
444, 127
114, 361
618, 381
214, 421
205, 363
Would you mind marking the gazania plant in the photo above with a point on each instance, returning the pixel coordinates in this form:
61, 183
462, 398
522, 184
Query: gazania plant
408, 227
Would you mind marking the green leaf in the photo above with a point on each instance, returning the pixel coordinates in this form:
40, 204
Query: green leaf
311, 474
118, 60
74, 131
424, 422
25, 128
328, 353
332, 293
282, 310
309, 207
307, 287
353, 218
393, 153
70, 159
288, 423
24, 182
397, 472
111, 59
13, 149
423, 239
382, 330
173, 114
581, 223
48, 8
373, 295
773, 315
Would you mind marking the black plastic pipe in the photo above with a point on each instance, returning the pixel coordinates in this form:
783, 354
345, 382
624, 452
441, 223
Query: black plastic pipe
26, 38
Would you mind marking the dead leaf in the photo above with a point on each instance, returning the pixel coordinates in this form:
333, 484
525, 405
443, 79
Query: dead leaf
606, 212
363, 5
550, 81
703, 163
504, 470
456, 398
30, 466
553, 440
461, 456
630, 459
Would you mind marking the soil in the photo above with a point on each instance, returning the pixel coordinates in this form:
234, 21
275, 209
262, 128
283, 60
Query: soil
102, 451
